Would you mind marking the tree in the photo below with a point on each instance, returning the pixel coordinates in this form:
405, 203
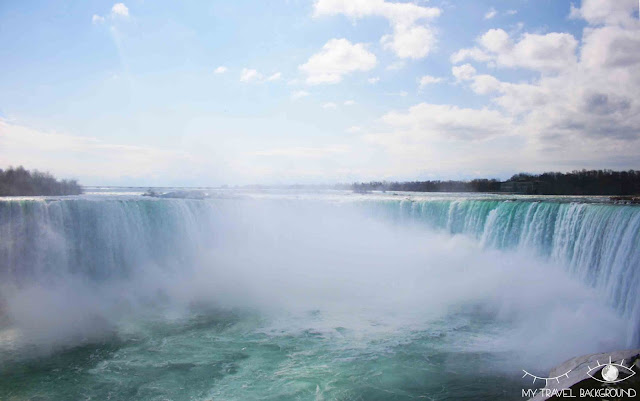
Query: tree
21, 182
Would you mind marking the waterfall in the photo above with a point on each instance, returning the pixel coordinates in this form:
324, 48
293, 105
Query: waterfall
598, 243
100, 239
103, 239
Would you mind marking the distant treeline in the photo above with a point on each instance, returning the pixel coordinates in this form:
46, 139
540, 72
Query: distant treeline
21, 182
585, 182
479, 185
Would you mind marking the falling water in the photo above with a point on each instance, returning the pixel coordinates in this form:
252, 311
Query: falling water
598, 243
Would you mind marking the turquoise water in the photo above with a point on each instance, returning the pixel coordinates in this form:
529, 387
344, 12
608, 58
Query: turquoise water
233, 356
298, 296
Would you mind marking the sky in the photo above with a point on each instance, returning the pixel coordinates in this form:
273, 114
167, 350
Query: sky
206, 93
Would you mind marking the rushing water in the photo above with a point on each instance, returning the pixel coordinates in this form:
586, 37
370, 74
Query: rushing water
308, 296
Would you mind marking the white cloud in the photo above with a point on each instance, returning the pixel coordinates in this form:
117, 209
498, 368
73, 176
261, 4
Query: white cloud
484, 84
354, 129
404, 14
549, 52
349, 102
490, 14
473, 53
611, 46
428, 80
221, 70
373, 80
249, 75
511, 12
583, 106
275, 77
119, 9
329, 105
424, 121
480, 83
496, 41
299, 95
97, 19
553, 51
463, 72
411, 42
596, 12
412, 37
337, 58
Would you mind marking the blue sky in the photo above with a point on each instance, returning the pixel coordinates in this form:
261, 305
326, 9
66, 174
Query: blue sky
276, 92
